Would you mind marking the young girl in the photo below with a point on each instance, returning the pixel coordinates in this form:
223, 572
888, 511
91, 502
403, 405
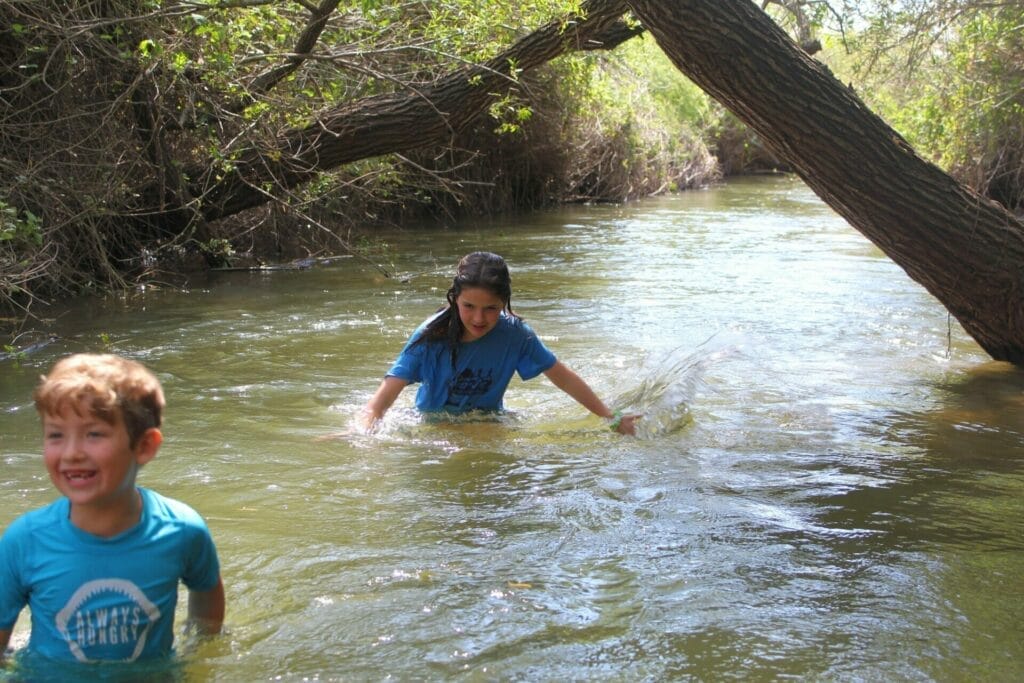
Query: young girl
465, 354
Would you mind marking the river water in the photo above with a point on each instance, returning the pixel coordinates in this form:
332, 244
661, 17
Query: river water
829, 484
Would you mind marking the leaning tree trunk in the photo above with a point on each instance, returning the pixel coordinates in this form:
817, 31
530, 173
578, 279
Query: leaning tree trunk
964, 249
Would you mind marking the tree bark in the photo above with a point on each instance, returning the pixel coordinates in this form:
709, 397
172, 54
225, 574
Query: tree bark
965, 250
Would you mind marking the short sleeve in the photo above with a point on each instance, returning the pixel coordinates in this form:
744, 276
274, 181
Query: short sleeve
13, 592
203, 568
409, 364
535, 358
193, 544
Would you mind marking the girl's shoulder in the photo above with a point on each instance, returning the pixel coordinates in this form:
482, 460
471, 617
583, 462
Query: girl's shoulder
514, 324
421, 329
429, 319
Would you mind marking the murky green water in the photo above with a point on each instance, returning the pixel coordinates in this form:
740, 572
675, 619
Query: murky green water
830, 487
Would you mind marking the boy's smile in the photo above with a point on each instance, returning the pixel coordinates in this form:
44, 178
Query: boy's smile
479, 310
91, 462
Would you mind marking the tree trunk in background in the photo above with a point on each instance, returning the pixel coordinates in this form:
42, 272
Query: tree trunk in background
964, 249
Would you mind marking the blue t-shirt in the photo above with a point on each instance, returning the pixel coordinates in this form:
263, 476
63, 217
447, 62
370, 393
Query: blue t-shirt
103, 599
484, 367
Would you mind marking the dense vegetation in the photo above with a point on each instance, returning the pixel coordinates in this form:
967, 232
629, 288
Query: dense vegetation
108, 104
949, 76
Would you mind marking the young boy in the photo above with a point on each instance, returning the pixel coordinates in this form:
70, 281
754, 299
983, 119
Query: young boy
99, 568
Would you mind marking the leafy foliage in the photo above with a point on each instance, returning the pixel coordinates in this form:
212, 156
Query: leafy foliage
949, 75
116, 106
112, 109
975, 121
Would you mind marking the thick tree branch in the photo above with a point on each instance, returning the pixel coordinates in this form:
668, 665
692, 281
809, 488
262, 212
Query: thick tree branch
401, 121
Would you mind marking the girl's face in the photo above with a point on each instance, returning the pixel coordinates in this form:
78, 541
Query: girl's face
479, 310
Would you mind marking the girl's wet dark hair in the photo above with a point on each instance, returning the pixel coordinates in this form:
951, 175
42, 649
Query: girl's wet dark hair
482, 270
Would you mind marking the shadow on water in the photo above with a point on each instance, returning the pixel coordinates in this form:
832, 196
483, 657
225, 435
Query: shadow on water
935, 524
965, 474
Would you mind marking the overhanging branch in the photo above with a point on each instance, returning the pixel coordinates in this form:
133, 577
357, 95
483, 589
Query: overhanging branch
404, 121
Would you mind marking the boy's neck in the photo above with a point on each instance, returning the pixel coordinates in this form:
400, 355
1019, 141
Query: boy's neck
108, 520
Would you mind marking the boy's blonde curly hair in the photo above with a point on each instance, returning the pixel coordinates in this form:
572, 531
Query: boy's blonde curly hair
110, 387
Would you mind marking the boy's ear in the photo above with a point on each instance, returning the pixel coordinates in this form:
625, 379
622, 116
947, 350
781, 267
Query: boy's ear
148, 445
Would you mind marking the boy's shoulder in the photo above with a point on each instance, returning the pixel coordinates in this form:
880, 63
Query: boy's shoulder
169, 510
161, 509
45, 517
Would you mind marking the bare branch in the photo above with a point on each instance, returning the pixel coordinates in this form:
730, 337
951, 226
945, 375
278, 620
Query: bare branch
303, 47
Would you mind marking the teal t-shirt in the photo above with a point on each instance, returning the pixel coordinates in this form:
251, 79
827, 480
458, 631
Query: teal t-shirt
103, 599
483, 368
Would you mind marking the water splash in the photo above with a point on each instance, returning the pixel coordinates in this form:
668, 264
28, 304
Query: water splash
668, 388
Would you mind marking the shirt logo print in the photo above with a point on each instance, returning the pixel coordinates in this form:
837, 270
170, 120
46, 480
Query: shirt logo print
471, 382
107, 614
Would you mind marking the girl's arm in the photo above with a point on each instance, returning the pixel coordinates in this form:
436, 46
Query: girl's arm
571, 383
206, 609
386, 394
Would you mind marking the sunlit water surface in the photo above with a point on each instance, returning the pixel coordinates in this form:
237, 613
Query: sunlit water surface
829, 484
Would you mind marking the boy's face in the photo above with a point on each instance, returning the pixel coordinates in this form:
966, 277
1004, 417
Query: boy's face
90, 461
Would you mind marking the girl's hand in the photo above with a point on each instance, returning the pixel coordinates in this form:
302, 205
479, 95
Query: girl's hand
628, 425
366, 425
369, 422
625, 424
